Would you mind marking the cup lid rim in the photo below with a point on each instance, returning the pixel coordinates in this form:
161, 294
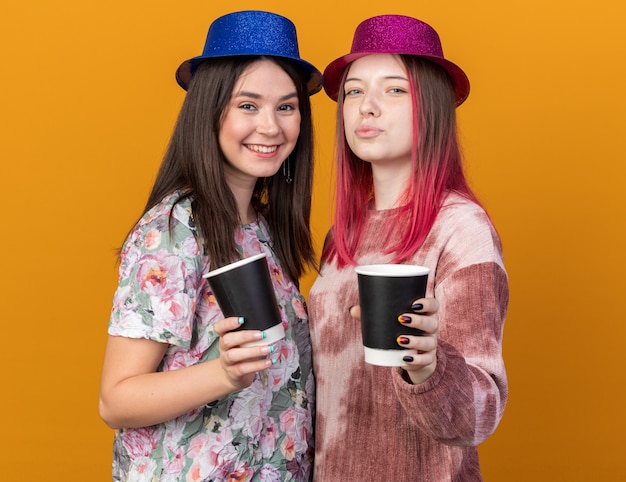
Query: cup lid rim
234, 265
392, 270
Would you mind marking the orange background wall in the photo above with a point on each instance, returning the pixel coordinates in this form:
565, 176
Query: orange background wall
88, 101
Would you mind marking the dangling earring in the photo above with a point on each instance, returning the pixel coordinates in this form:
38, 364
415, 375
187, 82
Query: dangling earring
287, 170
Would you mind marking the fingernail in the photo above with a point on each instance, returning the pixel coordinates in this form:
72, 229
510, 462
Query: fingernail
404, 319
274, 360
417, 307
240, 320
350, 308
407, 358
263, 335
403, 340
268, 349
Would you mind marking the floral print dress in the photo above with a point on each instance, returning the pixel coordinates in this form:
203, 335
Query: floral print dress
260, 433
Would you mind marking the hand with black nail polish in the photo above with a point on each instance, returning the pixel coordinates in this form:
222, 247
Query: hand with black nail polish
422, 365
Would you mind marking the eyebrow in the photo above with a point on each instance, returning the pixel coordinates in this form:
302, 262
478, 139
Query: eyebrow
388, 77
254, 95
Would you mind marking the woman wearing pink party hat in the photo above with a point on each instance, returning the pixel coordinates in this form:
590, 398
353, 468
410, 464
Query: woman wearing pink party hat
402, 197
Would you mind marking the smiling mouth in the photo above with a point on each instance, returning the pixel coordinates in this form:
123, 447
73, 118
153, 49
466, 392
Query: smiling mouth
262, 149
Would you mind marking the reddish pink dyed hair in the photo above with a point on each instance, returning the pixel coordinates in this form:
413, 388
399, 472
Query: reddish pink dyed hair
437, 168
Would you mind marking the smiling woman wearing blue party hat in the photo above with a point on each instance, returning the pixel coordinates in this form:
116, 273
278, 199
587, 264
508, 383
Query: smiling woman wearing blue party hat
187, 400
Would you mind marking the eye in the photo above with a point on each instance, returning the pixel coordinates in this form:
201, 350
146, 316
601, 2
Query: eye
397, 90
247, 106
287, 107
354, 91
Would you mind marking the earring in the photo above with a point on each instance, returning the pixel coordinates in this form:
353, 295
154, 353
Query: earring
287, 170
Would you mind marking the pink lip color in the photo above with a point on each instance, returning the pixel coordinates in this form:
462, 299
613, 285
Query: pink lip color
266, 155
367, 132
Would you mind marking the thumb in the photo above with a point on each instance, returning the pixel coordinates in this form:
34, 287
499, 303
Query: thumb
355, 312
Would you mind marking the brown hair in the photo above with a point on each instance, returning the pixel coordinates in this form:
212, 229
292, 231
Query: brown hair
194, 165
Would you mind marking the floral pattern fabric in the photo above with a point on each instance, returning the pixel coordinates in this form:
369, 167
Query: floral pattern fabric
261, 433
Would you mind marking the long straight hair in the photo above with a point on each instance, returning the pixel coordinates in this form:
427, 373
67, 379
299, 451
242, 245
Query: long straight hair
194, 165
436, 164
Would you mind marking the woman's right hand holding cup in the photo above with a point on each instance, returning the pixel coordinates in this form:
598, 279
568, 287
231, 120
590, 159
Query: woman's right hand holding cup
239, 363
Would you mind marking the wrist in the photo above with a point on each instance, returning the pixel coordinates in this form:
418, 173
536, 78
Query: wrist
415, 377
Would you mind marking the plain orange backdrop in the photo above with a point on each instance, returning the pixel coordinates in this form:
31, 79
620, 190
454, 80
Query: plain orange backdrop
88, 101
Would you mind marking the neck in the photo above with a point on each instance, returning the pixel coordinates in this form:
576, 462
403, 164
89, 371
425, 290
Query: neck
243, 196
247, 214
389, 184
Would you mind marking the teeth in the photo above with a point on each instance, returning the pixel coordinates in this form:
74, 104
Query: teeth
262, 149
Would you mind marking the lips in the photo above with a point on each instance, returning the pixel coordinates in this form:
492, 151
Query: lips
367, 131
262, 149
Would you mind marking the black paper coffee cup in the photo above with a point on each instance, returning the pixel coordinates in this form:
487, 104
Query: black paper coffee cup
244, 288
385, 292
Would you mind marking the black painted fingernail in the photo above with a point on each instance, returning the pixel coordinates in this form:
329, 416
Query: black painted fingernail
407, 359
417, 307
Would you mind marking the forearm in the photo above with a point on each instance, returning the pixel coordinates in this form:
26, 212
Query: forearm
459, 404
152, 398
463, 400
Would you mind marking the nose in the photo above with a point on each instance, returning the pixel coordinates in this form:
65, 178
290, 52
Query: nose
369, 106
267, 123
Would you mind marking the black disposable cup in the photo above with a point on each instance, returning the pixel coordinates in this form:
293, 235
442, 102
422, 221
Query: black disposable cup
385, 292
244, 288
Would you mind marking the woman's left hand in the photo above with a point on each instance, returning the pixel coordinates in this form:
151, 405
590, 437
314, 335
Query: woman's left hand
420, 366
